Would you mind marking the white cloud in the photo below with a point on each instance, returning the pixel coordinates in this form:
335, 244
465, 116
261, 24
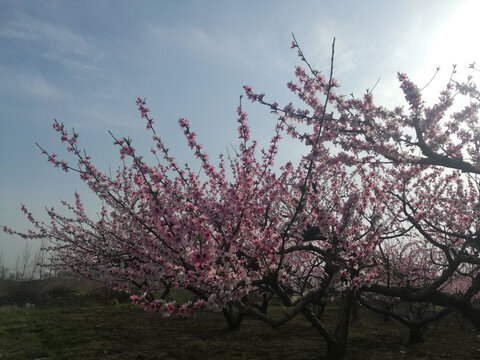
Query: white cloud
76, 66
34, 85
230, 47
193, 39
57, 42
103, 119
317, 46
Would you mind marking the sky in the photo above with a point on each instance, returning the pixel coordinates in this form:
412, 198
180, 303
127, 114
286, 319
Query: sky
85, 62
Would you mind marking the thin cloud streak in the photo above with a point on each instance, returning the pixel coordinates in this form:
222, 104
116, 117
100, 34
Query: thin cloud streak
33, 85
216, 46
58, 43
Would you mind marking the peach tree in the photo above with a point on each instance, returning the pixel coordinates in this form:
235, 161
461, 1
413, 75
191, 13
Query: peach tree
244, 231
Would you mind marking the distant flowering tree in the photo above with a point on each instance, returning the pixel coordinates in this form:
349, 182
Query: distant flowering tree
411, 263
437, 261
330, 227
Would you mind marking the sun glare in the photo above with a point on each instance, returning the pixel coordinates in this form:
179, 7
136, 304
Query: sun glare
457, 41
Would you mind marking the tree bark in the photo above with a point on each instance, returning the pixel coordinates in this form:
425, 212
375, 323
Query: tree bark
415, 335
234, 318
336, 342
338, 349
454, 301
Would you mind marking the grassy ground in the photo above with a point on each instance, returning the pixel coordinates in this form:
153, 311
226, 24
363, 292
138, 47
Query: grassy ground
99, 330
126, 332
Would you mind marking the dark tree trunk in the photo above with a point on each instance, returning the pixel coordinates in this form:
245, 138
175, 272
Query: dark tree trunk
355, 308
337, 344
459, 302
415, 336
386, 315
336, 341
335, 351
338, 348
234, 318
265, 300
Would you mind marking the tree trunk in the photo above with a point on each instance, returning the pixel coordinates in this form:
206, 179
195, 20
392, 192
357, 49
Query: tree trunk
336, 342
337, 348
234, 318
415, 335
265, 300
355, 308
335, 351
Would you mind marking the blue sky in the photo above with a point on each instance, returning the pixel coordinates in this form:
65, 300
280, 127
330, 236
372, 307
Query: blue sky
85, 62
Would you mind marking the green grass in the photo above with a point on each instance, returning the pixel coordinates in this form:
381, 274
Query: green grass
78, 320
126, 332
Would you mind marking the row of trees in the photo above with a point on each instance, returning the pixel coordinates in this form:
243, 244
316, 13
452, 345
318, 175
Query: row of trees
30, 264
382, 211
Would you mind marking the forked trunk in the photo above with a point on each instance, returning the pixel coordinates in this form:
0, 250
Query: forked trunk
336, 342
337, 348
233, 316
